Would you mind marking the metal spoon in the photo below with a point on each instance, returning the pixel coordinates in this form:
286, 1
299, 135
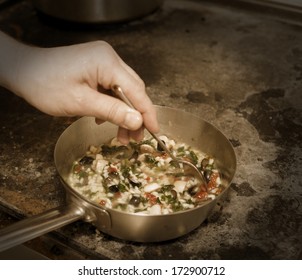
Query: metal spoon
120, 94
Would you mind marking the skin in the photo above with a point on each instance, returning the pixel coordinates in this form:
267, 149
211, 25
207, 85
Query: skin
74, 81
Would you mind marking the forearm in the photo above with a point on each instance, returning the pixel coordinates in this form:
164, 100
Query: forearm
11, 53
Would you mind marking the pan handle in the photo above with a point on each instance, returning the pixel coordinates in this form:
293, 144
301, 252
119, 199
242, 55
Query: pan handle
37, 225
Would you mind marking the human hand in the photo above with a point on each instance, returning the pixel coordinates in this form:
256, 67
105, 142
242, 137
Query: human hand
73, 80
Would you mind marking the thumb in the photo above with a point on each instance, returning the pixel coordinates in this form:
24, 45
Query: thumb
107, 108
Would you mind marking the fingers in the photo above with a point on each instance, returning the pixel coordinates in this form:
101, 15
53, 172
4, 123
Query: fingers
134, 88
135, 91
107, 108
125, 135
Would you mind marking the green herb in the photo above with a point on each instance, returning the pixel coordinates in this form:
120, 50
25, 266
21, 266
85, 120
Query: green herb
181, 151
166, 188
111, 150
177, 206
193, 157
122, 187
150, 160
189, 201
125, 171
174, 163
147, 142
82, 174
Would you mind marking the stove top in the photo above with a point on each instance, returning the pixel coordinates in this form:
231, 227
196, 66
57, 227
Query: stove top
238, 68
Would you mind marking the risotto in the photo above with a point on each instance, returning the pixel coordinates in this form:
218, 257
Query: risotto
141, 178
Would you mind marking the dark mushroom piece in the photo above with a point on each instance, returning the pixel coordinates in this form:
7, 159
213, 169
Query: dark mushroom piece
112, 179
134, 183
204, 163
207, 175
194, 190
174, 194
86, 160
135, 201
159, 147
114, 189
147, 149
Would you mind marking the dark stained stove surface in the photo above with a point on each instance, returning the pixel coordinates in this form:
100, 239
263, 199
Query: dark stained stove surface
240, 69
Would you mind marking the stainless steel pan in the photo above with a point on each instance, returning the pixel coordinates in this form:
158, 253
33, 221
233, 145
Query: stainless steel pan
97, 11
73, 144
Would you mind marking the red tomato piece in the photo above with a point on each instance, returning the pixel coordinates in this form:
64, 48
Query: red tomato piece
212, 183
112, 169
151, 197
102, 202
117, 194
164, 156
201, 195
77, 168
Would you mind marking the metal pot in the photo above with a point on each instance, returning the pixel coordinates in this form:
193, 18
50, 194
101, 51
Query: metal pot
97, 11
73, 144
